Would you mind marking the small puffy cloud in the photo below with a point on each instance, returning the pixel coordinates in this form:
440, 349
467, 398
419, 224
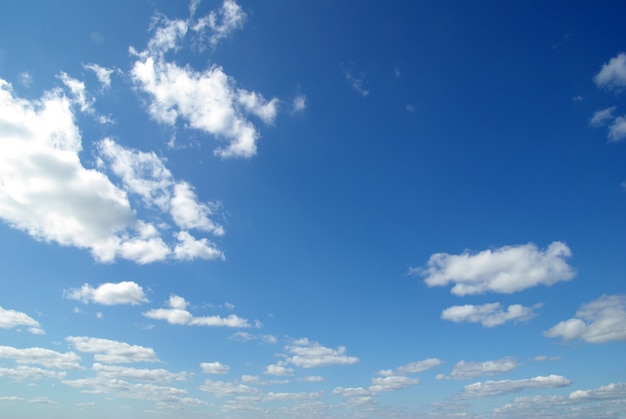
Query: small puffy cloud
225, 389
10, 319
214, 368
497, 388
612, 75
25, 79
79, 92
602, 117
311, 379
617, 130
189, 248
42, 356
600, 321
505, 270
125, 292
138, 374
177, 314
542, 358
111, 351
222, 22
489, 315
414, 367
355, 79
391, 383
278, 369
299, 103
469, 370
307, 354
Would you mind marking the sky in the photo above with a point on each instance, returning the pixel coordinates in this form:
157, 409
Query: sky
319, 209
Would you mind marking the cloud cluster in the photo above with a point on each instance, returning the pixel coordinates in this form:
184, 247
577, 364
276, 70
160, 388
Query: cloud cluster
111, 351
207, 100
10, 319
307, 354
612, 76
42, 356
489, 315
600, 321
505, 270
468, 370
497, 388
125, 292
177, 314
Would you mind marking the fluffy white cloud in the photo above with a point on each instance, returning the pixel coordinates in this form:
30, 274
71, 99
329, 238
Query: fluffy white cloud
602, 117
111, 351
11, 318
23, 372
42, 356
188, 248
125, 292
79, 92
489, 315
413, 367
496, 388
612, 75
307, 354
224, 388
617, 130
278, 369
207, 100
299, 103
138, 374
506, 270
468, 370
214, 368
177, 314
602, 320
391, 383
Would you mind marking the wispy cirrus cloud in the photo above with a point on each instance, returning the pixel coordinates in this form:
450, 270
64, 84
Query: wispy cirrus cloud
507, 269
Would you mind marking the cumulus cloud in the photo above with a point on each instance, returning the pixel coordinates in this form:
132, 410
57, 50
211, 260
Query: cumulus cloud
391, 383
206, 100
224, 388
489, 315
617, 130
307, 354
177, 314
602, 117
612, 75
103, 74
10, 319
413, 367
600, 321
214, 368
42, 356
138, 374
125, 292
506, 270
278, 369
79, 92
468, 370
299, 103
111, 351
497, 388
23, 372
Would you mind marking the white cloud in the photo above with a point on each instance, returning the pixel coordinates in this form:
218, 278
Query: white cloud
602, 117
414, 367
11, 318
542, 358
610, 391
617, 130
600, 321
612, 75
469, 370
224, 388
391, 383
25, 79
77, 88
271, 396
102, 73
506, 270
111, 351
208, 100
177, 314
497, 388
22, 372
125, 292
188, 248
311, 379
214, 368
307, 354
299, 103
149, 375
489, 315
222, 22
42, 356
278, 369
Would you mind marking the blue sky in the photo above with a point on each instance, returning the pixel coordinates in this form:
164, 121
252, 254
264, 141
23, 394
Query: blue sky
312, 209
